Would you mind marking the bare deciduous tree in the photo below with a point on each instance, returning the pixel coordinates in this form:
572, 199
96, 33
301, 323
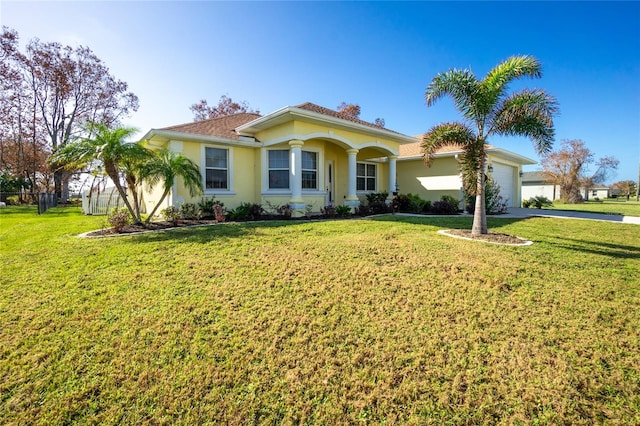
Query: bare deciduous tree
65, 87
568, 168
226, 106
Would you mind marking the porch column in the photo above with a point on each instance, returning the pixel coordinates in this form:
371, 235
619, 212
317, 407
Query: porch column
352, 198
295, 177
392, 174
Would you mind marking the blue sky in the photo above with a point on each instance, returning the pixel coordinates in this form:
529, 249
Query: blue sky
381, 55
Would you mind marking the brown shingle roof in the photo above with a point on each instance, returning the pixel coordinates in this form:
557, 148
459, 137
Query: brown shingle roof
308, 106
223, 127
415, 150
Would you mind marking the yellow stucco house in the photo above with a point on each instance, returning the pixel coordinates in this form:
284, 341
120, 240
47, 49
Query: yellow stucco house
304, 155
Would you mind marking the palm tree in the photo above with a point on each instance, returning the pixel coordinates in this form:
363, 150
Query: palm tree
109, 148
488, 109
166, 167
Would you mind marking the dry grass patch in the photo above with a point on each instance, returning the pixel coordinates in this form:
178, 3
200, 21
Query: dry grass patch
332, 322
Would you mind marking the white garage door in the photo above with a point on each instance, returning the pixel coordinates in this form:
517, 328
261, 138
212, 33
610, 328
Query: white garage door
505, 177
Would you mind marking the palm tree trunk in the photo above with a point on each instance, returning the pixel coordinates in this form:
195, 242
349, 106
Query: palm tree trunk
164, 195
113, 174
480, 213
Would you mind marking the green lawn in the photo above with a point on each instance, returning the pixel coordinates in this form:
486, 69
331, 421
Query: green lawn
610, 206
342, 322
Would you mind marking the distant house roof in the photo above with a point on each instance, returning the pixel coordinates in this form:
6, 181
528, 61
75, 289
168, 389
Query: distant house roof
308, 106
413, 151
534, 177
222, 127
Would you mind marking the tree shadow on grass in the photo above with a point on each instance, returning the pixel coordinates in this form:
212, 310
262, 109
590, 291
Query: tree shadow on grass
619, 251
215, 232
449, 222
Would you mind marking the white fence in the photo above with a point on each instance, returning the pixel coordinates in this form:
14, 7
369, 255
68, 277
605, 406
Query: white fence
101, 202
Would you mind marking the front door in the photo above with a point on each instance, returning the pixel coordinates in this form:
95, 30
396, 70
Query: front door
330, 184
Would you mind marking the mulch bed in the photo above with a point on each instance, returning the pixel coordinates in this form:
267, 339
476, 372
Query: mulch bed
491, 237
153, 226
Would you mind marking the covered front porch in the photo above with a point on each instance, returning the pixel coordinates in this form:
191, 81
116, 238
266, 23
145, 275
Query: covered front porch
317, 171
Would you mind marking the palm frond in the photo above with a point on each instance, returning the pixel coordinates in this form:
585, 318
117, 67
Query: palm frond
527, 113
496, 83
446, 134
167, 166
461, 85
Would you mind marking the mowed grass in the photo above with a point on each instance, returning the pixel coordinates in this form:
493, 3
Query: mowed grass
612, 206
339, 322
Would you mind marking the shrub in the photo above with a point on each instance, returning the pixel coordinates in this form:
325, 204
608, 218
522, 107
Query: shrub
329, 211
207, 204
493, 201
444, 207
308, 210
537, 202
219, 212
119, 218
170, 214
451, 200
343, 211
190, 211
401, 203
377, 202
285, 211
363, 210
247, 211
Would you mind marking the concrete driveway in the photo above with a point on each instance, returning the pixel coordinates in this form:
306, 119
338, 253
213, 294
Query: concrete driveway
563, 214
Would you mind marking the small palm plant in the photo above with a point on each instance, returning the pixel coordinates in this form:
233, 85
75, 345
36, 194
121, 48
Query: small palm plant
106, 149
166, 167
488, 109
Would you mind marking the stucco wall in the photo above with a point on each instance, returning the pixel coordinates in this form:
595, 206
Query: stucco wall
416, 178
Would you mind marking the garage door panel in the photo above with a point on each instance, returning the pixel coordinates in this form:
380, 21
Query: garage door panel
505, 177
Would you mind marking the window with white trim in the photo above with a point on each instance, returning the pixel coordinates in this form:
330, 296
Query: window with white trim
279, 169
309, 170
366, 176
216, 168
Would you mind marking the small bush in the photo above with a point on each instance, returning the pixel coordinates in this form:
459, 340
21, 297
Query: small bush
119, 218
170, 214
343, 211
451, 200
190, 211
537, 202
285, 211
444, 207
246, 211
308, 211
329, 211
401, 203
207, 204
255, 211
493, 201
219, 212
363, 210
377, 202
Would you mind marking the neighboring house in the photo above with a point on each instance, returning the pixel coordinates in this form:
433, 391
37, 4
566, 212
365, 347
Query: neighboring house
308, 155
443, 177
534, 184
599, 192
